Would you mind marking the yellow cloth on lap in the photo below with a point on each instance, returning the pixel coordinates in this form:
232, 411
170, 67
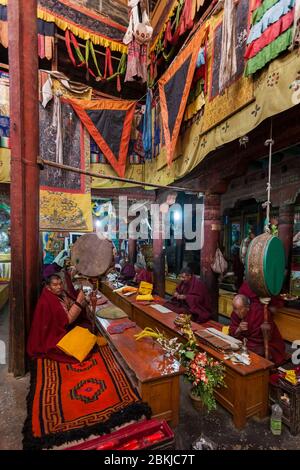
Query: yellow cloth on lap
77, 343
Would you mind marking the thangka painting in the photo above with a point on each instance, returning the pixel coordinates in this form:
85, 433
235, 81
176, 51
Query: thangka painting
218, 106
65, 197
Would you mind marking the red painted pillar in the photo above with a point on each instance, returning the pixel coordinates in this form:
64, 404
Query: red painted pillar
23, 64
212, 228
158, 258
132, 250
159, 267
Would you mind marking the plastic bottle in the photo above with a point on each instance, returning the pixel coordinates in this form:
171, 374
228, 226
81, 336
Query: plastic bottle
276, 420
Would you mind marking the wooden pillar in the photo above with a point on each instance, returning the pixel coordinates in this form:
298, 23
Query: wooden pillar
24, 115
179, 255
212, 228
132, 250
159, 265
285, 232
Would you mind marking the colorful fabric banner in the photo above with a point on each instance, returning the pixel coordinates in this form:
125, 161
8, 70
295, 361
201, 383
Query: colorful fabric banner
174, 88
65, 197
109, 123
239, 93
83, 22
271, 33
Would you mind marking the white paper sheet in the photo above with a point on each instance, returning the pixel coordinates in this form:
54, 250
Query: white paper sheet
161, 308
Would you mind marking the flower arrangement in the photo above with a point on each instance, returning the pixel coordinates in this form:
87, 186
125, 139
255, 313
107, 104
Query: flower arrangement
205, 374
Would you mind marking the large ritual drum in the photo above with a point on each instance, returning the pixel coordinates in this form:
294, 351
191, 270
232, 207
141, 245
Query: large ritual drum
265, 265
91, 255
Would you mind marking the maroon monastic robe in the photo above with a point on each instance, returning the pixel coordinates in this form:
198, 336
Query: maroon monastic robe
144, 275
50, 324
128, 272
197, 302
254, 335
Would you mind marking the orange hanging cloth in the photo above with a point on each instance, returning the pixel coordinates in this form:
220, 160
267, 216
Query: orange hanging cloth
109, 123
174, 89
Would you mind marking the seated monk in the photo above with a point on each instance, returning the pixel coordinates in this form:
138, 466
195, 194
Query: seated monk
191, 297
55, 315
127, 271
142, 274
246, 321
66, 275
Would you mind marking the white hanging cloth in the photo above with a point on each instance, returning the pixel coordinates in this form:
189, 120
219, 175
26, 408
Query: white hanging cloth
228, 65
141, 31
47, 93
57, 122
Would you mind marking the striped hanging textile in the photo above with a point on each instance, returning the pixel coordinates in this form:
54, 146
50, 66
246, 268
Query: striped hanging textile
271, 33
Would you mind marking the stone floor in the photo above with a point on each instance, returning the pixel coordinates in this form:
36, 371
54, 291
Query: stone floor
216, 426
12, 398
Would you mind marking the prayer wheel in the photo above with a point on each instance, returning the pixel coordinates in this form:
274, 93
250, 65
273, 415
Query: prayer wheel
91, 255
265, 265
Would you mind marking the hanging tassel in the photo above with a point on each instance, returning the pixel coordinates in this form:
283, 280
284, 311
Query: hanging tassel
186, 21
108, 63
70, 38
87, 53
98, 79
168, 34
119, 88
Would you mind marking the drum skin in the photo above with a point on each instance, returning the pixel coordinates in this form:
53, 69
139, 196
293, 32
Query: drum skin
91, 255
265, 265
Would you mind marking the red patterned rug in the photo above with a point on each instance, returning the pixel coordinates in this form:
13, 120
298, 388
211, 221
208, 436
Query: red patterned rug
67, 402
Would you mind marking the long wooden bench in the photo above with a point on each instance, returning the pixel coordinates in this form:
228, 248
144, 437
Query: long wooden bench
246, 391
155, 376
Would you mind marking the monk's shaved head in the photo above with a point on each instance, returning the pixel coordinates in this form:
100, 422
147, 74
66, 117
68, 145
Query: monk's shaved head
241, 300
241, 305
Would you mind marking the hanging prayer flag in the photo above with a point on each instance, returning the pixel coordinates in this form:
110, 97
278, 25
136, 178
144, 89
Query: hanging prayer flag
174, 88
109, 124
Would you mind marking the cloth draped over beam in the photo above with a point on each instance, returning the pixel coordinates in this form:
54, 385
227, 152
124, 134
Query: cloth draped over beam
84, 23
65, 198
109, 123
174, 88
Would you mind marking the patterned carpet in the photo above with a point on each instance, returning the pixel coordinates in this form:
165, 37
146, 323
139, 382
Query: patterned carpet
73, 401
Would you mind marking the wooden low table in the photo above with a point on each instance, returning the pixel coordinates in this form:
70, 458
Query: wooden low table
155, 376
246, 391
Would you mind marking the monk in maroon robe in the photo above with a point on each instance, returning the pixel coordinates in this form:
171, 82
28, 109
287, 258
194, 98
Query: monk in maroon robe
142, 274
246, 321
128, 271
191, 297
55, 315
